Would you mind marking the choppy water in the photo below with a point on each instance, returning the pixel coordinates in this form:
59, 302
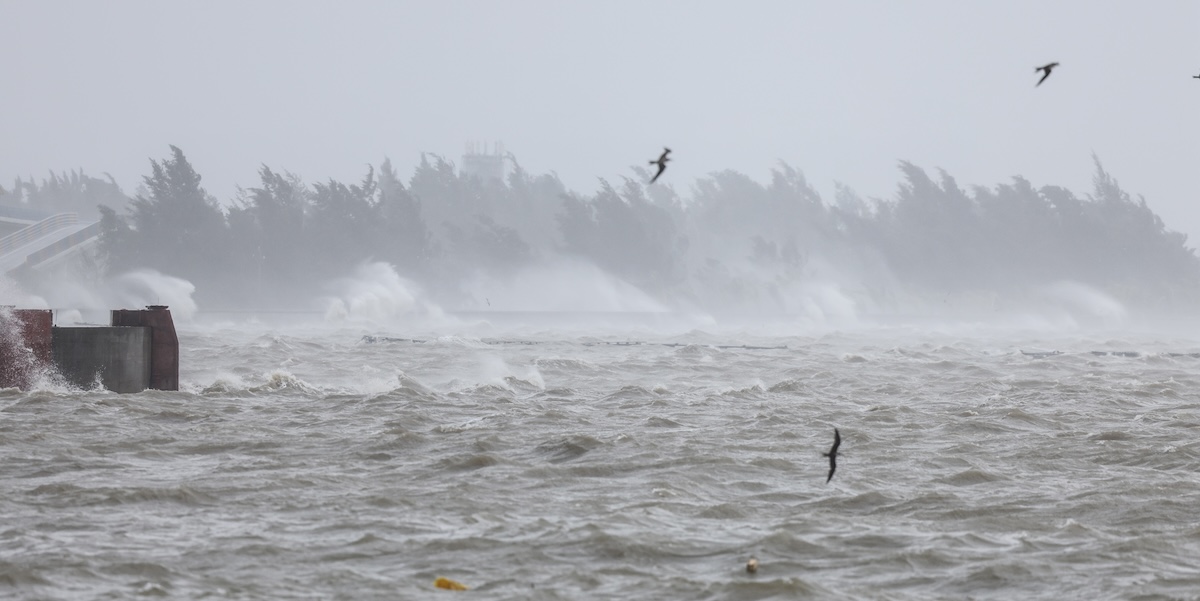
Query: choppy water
321, 466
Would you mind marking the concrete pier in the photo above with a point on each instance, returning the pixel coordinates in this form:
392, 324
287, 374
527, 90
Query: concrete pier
139, 350
117, 358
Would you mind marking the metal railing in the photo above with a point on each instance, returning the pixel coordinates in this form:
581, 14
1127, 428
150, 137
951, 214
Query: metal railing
22, 214
33, 232
63, 245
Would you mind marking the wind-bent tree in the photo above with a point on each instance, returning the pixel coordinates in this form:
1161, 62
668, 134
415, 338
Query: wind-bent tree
625, 234
174, 227
734, 243
345, 224
268, 228
70, 192
404, 240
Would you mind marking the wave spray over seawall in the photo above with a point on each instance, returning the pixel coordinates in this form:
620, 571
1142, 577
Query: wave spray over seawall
297, 464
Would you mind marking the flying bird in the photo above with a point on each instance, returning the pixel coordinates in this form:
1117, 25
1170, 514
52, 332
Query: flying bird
661, 162
1047, 69
1196, 77
832, 454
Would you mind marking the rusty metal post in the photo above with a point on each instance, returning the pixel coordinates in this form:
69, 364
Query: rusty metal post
164, 343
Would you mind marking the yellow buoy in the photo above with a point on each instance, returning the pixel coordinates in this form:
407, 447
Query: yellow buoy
449, 584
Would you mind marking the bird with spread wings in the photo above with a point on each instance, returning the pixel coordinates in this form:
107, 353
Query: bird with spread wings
662, 163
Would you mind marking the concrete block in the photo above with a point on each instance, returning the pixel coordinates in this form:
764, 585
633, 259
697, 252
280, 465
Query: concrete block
120, 355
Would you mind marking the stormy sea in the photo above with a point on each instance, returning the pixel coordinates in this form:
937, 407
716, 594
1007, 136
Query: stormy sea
629, 460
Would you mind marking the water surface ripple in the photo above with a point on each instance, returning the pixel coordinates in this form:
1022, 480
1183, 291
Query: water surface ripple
325, 466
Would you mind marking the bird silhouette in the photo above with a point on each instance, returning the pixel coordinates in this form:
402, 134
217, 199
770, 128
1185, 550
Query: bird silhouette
1047, 69
1196, 77
832, 454
661, 162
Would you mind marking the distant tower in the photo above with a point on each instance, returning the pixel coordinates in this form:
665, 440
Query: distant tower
478, 162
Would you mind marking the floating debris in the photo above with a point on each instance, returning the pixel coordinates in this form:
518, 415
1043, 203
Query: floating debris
373, 339
752, 565
747, 347
369, 339
448, 584
1044, 354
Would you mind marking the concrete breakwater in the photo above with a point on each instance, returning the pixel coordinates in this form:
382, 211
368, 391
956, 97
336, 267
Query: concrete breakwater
138, 350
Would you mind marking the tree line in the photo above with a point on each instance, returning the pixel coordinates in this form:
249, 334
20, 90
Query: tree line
734, 243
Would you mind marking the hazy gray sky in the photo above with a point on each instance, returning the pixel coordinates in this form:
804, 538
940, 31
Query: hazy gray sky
840, 90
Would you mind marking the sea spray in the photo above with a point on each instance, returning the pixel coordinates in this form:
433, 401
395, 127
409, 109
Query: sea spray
376, 294
16, 358
19, 364
144, 287
559, 285
77, 302
1081, 303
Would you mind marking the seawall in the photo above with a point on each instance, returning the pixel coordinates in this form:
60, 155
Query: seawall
139, 350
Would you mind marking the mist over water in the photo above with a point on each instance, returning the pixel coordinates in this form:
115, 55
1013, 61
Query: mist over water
563, 434
75, 301
561, 285
621, 462
1081, 300
148, 287
376, 294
